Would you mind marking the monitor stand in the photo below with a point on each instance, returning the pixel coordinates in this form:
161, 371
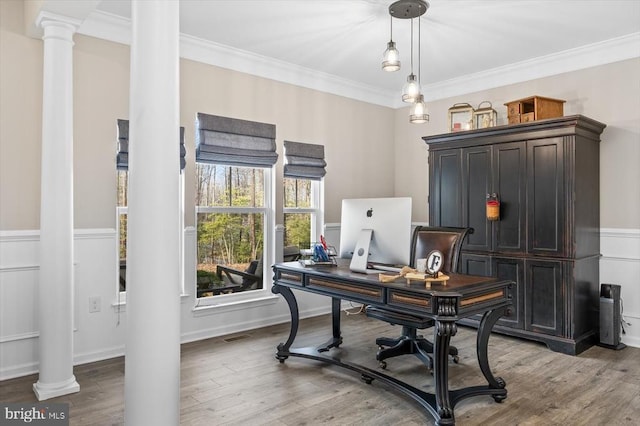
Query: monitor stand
360, 257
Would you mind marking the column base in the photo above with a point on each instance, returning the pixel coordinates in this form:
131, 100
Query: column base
51, 390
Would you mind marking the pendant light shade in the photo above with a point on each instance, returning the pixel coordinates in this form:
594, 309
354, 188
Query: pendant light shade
391, 58
419, 113
411, 89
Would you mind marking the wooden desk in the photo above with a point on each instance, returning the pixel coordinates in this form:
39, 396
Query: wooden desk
461, 297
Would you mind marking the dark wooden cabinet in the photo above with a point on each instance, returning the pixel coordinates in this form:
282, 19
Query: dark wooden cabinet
546, 175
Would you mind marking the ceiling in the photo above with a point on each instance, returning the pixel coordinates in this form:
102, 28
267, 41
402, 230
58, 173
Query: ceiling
339, 43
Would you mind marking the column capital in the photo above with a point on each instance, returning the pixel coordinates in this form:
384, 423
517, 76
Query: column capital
47, 20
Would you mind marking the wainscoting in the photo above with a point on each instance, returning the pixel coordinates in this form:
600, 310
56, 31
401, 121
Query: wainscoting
101, 335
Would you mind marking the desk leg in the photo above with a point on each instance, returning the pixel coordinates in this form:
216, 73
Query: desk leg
283, 348
336, 338
484, 331
443, 332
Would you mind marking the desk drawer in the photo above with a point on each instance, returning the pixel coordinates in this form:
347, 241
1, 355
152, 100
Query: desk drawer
345, 290
288, 277
400, 299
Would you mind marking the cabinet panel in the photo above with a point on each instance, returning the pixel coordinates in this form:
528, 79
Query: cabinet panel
545, 197
473, 264
476, 184
512, 269
444, 197
509, 183
543, 293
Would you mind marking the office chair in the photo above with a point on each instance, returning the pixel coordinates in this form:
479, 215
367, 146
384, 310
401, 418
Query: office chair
449, 241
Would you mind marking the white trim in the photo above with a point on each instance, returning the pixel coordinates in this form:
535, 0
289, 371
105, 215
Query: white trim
592, 55
117, 29
20, 336
29, 235
19, 268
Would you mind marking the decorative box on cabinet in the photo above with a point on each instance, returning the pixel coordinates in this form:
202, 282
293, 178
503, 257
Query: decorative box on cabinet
546, 175
533, 108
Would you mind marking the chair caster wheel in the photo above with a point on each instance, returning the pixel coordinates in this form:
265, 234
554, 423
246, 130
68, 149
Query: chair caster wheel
456, 359
383, 365
380, 347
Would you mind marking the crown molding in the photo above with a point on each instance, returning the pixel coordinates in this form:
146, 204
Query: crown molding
117, 29
602, 53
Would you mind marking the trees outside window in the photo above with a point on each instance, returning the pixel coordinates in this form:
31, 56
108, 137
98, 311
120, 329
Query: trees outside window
121, 227
230, 218
302, 212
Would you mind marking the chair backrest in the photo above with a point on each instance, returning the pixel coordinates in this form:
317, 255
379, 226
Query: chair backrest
448, 240
290, 253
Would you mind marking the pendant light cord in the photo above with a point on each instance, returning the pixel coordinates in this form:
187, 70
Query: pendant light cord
412, 45
419, 55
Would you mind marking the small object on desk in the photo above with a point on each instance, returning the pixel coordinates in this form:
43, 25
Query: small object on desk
427, 278
383, 278
311, 262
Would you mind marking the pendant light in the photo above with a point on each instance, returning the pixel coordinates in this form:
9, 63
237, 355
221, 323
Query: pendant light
419, 113
391, 57
411, 88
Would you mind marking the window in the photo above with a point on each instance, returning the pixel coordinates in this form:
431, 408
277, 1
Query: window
121, 227
122, 183
231, 218
302, 212
303, 193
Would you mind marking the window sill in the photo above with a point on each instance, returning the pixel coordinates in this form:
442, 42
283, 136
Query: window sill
213, 307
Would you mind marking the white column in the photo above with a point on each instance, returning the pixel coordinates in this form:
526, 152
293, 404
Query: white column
56, 215
152, 354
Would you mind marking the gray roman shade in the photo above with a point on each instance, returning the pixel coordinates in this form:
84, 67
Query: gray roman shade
122, 158
304, 160
230, 141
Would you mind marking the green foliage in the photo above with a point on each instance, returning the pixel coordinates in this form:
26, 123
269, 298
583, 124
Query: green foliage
297, 229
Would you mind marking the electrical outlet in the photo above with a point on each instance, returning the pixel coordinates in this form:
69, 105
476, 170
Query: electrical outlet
94, 304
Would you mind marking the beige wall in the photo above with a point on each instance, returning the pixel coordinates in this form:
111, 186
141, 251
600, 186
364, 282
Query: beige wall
359, 138
609, 94
20, 121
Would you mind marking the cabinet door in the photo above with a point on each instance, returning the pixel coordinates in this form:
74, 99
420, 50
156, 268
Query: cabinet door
509, 182
474, 264
545, 197
544, 308
476, 184
512, 269
445, 186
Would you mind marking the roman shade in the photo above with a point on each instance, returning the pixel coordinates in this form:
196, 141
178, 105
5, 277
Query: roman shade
235, 142
122, 157
304, 160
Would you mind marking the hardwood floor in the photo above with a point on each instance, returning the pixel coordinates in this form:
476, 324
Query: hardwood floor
235, 380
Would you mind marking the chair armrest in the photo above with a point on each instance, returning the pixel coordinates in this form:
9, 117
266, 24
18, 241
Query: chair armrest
230, 272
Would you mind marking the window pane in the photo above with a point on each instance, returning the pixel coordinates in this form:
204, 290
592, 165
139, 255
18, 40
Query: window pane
224, 186
234, 241
297, 229
122, 237
297, 192
122, 188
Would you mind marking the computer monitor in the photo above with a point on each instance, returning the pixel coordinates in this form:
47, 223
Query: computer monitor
375, 230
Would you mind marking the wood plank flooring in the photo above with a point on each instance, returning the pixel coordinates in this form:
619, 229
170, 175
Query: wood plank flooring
235, 380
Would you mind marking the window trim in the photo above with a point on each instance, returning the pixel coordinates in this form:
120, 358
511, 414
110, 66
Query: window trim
121, 296
317, 212
245, 297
